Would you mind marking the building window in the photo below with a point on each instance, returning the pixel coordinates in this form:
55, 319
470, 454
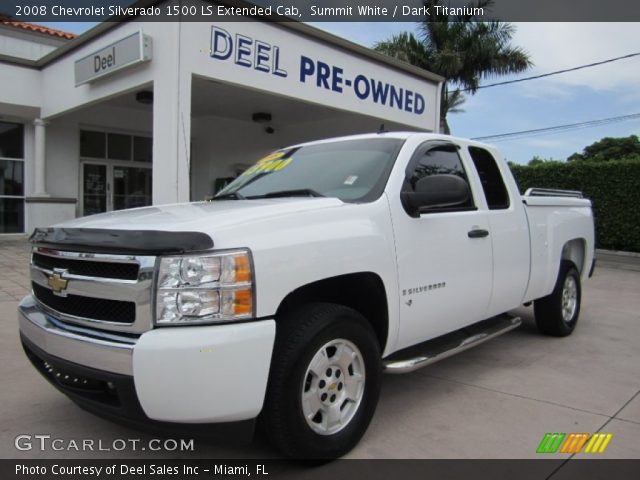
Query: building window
142, 148
11, 140
118, 146
11, 177
93, 144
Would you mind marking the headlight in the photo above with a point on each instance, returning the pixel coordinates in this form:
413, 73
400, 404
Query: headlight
195, 289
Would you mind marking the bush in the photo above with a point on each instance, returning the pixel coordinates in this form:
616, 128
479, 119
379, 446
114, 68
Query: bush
613, 187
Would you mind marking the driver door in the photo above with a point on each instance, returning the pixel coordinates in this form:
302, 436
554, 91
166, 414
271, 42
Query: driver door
444, 256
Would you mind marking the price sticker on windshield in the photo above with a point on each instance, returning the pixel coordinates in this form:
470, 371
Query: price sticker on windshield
271, 163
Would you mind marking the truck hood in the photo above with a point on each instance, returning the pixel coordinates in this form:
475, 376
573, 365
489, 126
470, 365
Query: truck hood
204, 217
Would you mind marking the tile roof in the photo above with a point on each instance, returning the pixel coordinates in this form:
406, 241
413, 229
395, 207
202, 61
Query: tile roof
36, 28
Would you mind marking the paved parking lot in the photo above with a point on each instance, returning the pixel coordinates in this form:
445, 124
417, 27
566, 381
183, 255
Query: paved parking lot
494, 401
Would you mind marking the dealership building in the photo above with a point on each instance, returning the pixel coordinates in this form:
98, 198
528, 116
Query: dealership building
144, 113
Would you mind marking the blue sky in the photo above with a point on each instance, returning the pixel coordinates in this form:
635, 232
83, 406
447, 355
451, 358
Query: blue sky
590, 94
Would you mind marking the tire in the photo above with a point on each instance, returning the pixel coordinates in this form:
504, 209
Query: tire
315, 407
557, 314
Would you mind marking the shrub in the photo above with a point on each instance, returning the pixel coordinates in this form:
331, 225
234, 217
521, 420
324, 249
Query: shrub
612, 186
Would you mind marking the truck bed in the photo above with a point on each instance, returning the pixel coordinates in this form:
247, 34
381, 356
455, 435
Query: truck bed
556, 218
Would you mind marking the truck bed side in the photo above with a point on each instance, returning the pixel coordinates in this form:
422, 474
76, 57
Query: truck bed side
559, 228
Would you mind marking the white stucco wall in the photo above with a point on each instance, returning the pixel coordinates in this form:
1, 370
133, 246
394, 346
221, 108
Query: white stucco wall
16, 42
21, 87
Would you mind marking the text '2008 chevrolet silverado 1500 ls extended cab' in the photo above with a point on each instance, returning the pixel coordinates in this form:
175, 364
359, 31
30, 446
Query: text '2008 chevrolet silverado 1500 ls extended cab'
288, 295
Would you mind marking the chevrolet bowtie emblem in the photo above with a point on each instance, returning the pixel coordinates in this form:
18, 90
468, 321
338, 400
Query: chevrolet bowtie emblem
57, 283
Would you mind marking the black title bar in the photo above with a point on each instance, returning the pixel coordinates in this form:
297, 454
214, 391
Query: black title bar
319, 10
557, 468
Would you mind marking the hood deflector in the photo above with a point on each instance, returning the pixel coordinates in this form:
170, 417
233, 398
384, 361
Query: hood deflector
138, 242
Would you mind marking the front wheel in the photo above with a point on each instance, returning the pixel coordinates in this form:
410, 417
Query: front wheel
324, 381
557, 314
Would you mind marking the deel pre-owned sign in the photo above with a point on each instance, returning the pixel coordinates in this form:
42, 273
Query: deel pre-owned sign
261, 56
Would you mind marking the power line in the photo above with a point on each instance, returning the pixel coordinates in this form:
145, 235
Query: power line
557, 129
557, 72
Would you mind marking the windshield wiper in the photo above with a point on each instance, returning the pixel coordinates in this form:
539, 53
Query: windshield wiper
300, 192
230, 196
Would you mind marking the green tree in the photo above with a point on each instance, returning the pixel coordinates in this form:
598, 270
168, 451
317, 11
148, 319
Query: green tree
608, 149
461, 50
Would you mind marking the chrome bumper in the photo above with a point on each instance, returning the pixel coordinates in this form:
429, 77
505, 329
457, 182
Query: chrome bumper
102, 351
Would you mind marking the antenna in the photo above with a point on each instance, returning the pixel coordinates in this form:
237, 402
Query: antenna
382, 129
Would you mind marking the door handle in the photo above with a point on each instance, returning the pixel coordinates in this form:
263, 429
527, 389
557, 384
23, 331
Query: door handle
478, 233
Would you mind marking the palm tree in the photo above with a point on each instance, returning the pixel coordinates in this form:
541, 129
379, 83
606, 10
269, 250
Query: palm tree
461, 50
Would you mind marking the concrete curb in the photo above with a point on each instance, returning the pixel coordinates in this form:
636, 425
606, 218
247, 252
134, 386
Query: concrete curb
618, 253
618, 260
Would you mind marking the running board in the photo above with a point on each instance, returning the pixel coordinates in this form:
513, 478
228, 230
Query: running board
439, 348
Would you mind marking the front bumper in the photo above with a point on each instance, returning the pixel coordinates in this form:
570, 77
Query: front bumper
193, 375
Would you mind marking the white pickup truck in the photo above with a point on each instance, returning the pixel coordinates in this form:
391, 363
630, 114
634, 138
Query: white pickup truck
285, 297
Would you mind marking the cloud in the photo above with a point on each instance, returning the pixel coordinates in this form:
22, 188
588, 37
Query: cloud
365, 33
545, 142
546, 90
556, 46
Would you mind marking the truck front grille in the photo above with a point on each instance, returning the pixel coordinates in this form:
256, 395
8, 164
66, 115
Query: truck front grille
94, 290
87, 307
123, 271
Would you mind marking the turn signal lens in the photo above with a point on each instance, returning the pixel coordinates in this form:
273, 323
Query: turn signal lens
238, 303
243, 269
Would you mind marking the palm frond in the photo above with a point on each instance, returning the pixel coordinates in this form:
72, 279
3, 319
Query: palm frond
460, 49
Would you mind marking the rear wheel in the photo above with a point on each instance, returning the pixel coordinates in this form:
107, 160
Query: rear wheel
324, 382
557, 314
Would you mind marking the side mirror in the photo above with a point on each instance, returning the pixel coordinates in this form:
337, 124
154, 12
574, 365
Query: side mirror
436, 191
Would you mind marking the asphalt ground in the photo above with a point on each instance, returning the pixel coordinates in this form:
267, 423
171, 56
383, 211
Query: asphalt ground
495, 401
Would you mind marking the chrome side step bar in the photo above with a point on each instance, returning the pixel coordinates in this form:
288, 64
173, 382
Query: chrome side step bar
444, 347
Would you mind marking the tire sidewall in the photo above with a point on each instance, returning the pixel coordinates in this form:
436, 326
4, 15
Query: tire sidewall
570, 271
558, 325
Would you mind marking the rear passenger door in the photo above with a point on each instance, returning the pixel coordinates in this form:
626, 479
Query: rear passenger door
509, 230
444, 256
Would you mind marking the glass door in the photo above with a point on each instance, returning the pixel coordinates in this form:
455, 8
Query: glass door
131, 187
116, 171
94, 188
107, 187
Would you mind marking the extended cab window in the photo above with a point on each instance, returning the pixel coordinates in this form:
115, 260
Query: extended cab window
434, 160
494, 188
351, 170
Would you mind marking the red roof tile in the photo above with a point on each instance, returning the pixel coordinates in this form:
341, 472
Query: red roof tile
36, 28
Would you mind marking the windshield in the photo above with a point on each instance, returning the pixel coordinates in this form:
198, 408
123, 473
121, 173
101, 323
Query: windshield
351, 170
